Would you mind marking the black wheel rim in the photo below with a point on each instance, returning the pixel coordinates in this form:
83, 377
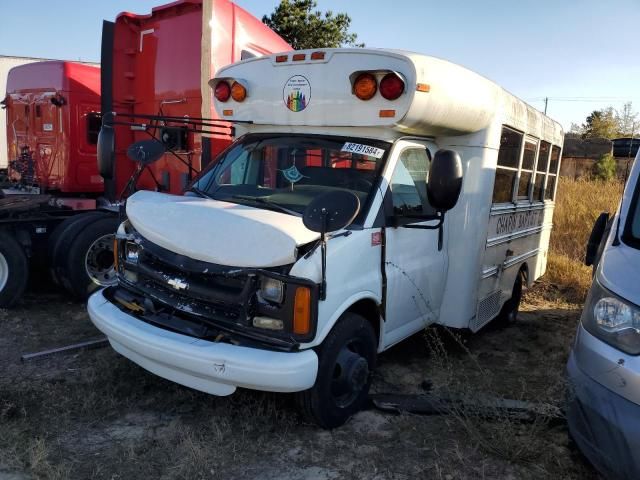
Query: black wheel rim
350, 374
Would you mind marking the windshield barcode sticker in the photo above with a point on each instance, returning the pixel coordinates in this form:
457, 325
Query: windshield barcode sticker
363, 149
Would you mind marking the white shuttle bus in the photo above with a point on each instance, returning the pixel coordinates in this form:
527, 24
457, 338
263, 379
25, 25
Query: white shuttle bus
370, 193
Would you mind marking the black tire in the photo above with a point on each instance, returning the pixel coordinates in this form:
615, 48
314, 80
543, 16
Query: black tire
63, 236
75, 276
509, 312
347, 358
13, 280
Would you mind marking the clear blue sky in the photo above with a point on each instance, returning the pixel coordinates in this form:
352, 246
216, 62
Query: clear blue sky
543, 48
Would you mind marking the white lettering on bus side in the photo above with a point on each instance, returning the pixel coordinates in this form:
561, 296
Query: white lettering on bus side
517, 221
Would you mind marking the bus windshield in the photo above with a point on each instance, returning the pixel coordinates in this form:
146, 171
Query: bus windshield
286, 172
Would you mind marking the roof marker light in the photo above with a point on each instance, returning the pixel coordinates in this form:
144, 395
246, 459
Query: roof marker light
365, 86
317, 56
281, 58
222, 92
391, 86
298, 57
238, 92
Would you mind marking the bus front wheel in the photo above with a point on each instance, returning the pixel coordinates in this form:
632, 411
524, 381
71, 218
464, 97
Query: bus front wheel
347, 358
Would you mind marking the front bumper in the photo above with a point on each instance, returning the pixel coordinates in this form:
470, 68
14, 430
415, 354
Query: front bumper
216, 368
605, 425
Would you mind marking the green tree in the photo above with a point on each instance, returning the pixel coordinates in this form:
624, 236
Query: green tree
601, 124
302, 27
605, 168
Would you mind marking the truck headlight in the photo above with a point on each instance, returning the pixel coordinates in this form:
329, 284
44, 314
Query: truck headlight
271, 289
612, 319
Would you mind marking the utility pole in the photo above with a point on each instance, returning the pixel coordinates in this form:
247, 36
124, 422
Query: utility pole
546, 100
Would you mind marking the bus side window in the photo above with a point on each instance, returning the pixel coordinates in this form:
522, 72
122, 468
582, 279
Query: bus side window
526, 170
554, 167
507, 168
409, 182
541, 171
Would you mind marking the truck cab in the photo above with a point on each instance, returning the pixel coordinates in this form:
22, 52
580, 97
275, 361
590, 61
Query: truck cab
358, 206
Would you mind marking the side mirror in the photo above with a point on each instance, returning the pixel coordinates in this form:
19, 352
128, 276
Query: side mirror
145, 152
106, 152
445, 180
331, 211
597, 234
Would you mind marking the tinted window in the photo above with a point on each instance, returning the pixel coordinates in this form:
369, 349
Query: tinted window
543, 157
510, 143
507, 168
94, 122
526, 172
555, 159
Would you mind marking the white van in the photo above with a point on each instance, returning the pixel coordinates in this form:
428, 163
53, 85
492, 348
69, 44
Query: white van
370, 194
604, 365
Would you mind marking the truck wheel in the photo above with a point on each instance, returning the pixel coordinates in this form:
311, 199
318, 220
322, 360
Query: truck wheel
14, 270
509, 312
347, 358
62, 237
89, 263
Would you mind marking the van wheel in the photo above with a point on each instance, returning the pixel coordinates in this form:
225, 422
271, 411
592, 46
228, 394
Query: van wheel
14, 270
62, 238
347, 358
89, 263
509, 313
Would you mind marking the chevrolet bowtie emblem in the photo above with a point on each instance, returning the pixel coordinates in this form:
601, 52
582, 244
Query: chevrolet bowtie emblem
178, 283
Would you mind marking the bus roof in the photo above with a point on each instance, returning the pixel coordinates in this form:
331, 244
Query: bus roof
440, 97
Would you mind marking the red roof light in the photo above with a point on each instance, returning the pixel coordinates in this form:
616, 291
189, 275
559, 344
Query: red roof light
391, 86
222, 92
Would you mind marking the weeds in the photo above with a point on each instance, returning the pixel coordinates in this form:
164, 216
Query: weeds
578, 204
490, 427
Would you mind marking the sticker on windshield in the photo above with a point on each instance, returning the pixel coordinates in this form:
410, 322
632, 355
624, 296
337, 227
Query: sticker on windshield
363, 149
296, 93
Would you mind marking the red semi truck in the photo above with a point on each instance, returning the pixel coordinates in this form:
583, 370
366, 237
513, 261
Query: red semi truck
154, 74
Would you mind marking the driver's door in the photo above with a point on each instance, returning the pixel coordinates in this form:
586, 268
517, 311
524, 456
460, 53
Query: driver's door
415, 269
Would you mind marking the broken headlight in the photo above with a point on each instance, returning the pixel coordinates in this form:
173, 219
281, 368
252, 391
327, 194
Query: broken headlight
612, 319
271, 290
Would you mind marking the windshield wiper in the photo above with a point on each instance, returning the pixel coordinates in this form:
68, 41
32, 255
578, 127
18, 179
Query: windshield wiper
267, 203
200, 193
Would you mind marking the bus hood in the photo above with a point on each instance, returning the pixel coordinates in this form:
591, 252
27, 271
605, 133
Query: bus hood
218, 232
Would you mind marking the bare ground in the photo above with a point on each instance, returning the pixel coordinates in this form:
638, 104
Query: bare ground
94, 414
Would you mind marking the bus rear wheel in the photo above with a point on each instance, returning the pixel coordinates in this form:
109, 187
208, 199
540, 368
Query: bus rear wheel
14, 270
347, 358
509, 313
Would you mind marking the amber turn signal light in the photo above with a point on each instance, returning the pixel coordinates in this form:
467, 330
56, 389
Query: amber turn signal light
365, 86
238, 92
302, 311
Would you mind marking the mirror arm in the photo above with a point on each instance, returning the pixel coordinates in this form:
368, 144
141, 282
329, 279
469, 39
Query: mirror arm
438, 226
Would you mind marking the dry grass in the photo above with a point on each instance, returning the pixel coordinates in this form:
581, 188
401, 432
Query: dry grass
578, 205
